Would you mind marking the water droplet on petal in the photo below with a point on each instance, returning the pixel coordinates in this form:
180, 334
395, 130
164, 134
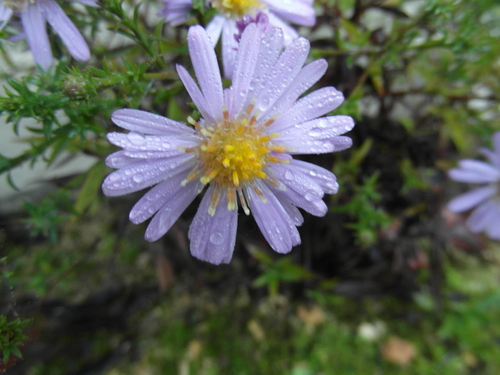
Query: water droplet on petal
151, 210
315, 132
138, 177
136, 138
216, 238
166, 145
289, 175
310, 196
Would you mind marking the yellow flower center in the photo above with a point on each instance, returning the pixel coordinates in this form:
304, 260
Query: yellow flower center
236, 8
232, 155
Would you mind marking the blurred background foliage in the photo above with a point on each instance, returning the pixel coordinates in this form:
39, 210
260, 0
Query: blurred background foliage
389, 282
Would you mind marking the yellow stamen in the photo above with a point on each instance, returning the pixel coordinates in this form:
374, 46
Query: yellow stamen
236, 8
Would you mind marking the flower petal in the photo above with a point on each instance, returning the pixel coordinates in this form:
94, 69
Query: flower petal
471, 199
482, 217
213, 237
156, 198
275, 224
206, 69
176, 12
309, 107
244, 68
171, 210
307, 77
214, 28
289, 33
229, 47
269, 51
195, 94
287, 67
5, 15
298, 12
169, 144
324, 178
148, 123
36, 33
67, 31
318, 130
301, 190
145, 173
119, 159
474, 171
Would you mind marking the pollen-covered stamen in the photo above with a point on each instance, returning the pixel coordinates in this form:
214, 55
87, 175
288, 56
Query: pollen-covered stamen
234, 153
236, 8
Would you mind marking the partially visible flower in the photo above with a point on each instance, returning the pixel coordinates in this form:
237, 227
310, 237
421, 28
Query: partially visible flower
300, 12
241, 149
260, 19
485, 199
34, 14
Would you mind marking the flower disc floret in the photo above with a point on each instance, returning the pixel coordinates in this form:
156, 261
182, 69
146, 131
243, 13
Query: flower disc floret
236, 152
236, 8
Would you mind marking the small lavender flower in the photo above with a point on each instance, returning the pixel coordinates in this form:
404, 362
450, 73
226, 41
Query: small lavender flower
486, 199
34, 14
300, 12
241, 149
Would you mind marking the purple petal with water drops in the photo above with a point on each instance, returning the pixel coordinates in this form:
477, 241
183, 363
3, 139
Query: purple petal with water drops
301, 190
148, 123
168, 214
269, 51
308, 108
67, 31
36, 32
324, 178
156, 198
207, 70
275, 224
246, 61
119, 159
229, 47
287, 67
299, 12
307, 77
214, 28
145, 173
289, 33
213, 237
166, 143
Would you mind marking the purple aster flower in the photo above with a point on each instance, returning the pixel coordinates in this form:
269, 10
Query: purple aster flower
34, 14
241, 149
300, 12
485, 199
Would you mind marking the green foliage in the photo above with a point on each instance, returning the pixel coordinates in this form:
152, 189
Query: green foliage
11, 337
369, 219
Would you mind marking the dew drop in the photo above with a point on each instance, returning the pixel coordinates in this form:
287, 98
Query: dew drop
310, 196
289, 175
151, 210
315, 132
216, 238
166, 146
136, 138
138, 177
